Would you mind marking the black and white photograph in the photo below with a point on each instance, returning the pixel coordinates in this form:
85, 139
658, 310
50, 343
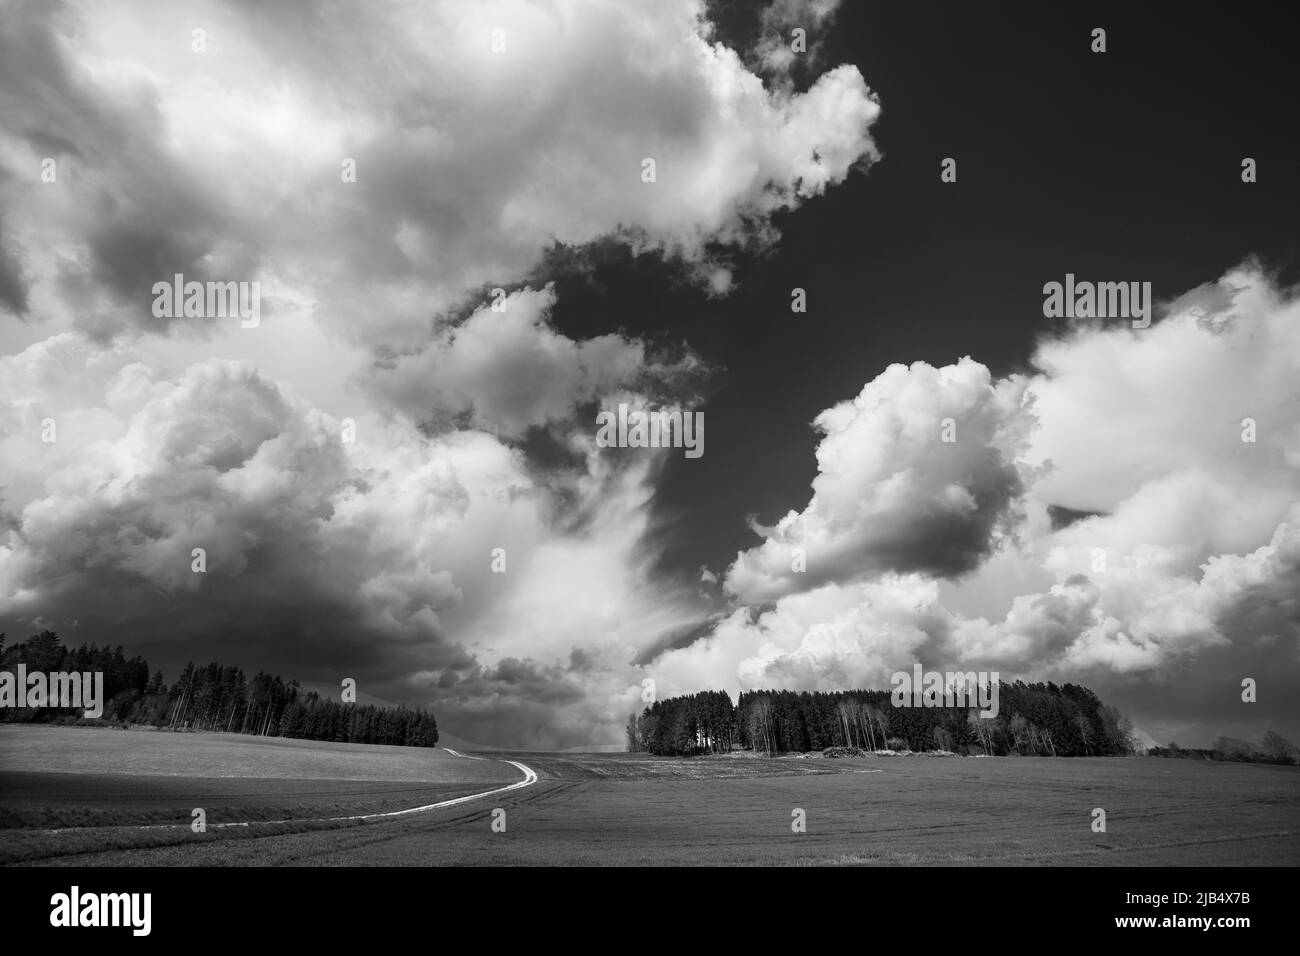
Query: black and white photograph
585, 434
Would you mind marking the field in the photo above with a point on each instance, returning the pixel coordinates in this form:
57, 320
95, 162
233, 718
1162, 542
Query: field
93, 797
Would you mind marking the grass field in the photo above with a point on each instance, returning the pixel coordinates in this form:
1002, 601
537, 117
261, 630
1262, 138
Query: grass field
625, 809
94, 750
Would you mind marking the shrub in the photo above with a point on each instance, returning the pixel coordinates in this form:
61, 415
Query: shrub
844, 752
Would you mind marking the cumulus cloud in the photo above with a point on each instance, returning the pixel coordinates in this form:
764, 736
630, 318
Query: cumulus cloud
1122, 408
1183, 580
1155, 641
918, 472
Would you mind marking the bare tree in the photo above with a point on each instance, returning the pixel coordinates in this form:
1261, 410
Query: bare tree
1019, 733
1278, 747
1035, 739
882, 723
1117, 730
761, 731
980, 728
846, 708
1085, 732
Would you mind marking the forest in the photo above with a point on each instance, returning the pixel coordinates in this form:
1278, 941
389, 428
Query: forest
212, 697
1036, 719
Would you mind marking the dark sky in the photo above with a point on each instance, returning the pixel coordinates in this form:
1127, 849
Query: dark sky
1122, 165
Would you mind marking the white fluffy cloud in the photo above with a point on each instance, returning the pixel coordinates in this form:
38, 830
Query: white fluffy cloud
916, 473
1188, 581
228, 163
1123, 409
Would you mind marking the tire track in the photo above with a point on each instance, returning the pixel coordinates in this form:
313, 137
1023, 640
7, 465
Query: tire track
530, 778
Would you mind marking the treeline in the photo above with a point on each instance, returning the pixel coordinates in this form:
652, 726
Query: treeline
213, 697
1033, 719
1273, 748
696, 723
126, 680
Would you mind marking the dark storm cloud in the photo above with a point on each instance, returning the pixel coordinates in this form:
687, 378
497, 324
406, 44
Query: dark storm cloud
141, 216
1062, 517
519, 703
223, 462
13, 290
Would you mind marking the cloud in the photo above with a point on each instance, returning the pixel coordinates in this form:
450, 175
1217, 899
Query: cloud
1122, 407
775, 50
229, 162
1165, 646
1182, 581
505, 369
13, 288
324, 558
227, 155
891, 494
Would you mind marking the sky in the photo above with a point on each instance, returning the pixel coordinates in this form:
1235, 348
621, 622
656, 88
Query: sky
395, 474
